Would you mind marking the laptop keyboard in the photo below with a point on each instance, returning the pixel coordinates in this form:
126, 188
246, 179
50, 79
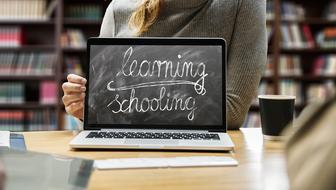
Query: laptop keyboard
147, 135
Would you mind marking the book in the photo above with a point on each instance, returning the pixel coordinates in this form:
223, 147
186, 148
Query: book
290, 66
4, 139
12, 93
48, 92
269, 10
23, 10
19, 120
326, 38
292, 88
41, 120
294, 36
292, 11
84, 12
73, 38
27, 64
73, 65
320, 92
330, 11
264, 88
324, 66
11, 36
11, 120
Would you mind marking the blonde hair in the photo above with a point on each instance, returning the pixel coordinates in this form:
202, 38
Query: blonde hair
145, 16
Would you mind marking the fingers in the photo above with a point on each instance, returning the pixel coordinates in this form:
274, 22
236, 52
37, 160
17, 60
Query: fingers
74, 108
72, 78
72, 98
69, 87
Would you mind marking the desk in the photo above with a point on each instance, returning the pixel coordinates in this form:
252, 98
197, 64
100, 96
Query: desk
261, 165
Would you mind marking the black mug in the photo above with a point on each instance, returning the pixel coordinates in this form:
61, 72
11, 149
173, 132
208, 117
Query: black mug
276, 112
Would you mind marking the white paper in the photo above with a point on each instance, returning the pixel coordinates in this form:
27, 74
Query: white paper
193, 161
4, 138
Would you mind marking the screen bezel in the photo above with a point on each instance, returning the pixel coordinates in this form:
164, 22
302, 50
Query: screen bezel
158, 41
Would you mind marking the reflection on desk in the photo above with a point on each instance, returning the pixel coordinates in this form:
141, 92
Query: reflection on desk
261, 165
38, 171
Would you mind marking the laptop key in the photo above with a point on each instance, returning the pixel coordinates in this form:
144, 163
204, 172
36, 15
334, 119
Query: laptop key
148, 135
92, 135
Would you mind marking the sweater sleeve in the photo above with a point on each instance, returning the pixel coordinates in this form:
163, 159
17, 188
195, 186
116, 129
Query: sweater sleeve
108, 25
247, 54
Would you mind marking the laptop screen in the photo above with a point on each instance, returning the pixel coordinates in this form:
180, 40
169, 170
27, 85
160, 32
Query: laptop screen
155, 85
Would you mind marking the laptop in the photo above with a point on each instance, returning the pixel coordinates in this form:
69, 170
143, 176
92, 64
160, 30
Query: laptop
155, 93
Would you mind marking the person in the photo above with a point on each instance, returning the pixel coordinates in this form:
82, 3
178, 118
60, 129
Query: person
311, 148
241, 23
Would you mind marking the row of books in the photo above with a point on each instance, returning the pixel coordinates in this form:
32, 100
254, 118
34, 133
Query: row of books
11, 92
287, 87
330, 11
41, 120
13, 120
325, 65
80, 11
295, 11
313, 92
292, 11
269, 10
73, 65
289, 11
73, 38
295, 36
290, 65
320, 92
326, 38
11, 36
14, 92
264, 88
293, 88
27, 64
23, 9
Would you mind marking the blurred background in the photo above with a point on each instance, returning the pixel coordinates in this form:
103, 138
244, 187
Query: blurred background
41, 41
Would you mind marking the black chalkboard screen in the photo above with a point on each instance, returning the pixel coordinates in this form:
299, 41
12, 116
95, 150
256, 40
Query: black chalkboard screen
156, 85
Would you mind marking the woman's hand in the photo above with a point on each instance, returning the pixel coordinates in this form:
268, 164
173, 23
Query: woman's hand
74, 93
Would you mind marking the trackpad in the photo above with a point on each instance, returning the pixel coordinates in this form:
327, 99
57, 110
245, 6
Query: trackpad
156, 142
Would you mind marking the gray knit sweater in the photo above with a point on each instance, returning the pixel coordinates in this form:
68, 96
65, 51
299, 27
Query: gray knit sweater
241, 23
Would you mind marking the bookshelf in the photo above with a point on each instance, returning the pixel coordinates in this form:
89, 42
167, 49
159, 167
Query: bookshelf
65, 22
300, 13
42, 33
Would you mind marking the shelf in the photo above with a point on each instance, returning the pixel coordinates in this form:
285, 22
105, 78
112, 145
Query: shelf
68, 21
309, 51
255, 107
312, 21
74, 50
267, 78
27, 22
26, 77
29, 48
309, 77
28, 106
